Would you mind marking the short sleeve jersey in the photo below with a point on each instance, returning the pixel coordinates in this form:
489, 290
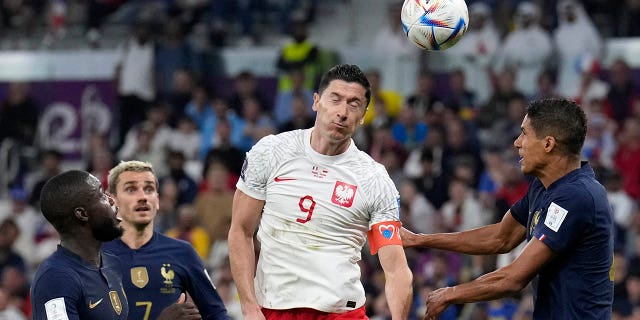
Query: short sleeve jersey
573, 218
155, 275
317, 212
66, 287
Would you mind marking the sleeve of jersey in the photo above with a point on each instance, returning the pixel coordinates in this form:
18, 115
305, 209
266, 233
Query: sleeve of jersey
55, 296
384, 225
520, 210
566, 220
256, 169
202, 290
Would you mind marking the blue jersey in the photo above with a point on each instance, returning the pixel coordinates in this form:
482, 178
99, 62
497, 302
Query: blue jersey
155, 275
66, 287
573, 218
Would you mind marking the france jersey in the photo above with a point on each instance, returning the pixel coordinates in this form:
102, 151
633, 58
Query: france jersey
155, 275
319, 211
573, 218
66, 287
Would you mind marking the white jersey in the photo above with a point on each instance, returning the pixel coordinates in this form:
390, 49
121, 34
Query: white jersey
317, 211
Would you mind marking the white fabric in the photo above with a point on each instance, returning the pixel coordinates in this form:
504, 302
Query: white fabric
572, 40
136, 77
314, 264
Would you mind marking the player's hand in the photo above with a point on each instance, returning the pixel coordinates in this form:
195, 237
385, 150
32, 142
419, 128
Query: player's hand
252, 313
181, 310
436, 303
409, 239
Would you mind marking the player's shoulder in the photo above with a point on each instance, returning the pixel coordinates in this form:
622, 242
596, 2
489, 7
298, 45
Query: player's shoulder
363, 162
280, 140
55, 268
177, 247
114, 247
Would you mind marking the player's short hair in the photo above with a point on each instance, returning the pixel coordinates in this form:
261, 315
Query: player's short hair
347, 73
562, 119
61, 195
124, 166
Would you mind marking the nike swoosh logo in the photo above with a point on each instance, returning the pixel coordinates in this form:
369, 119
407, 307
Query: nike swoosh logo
93, 305
278, 179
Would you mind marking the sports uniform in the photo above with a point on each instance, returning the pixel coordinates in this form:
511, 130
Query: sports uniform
319, 210
66, 287
572, 217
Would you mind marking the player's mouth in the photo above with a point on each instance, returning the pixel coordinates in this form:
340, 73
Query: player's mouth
142, 209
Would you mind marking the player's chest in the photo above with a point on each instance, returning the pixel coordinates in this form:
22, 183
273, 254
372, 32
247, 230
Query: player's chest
152, 274
538, 209
104, 298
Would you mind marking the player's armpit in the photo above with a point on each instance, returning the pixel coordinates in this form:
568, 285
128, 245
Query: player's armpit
384, 234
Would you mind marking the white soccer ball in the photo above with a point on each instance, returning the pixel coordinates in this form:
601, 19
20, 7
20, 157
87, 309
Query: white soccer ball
434, 24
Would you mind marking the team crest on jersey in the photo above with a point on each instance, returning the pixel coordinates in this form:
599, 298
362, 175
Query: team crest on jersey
139, 277
168, 275
115, 301
534, 221
343, 194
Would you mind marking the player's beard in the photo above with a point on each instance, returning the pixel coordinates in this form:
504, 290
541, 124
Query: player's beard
106, 231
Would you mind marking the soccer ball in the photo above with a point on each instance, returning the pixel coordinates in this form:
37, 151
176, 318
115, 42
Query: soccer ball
434, 24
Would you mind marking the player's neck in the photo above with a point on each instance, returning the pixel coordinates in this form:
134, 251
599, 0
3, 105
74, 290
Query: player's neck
326, 147
135, 238
557, 169
87, 249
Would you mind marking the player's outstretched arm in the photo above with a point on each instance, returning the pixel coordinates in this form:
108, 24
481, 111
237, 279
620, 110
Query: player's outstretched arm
398, 283
245, 218
181, 310
495, 238
497, 284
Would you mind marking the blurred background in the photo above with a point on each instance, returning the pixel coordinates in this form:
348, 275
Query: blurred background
191, 85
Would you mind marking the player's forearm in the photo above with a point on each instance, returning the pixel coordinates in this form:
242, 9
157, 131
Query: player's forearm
399, 292
494, 285
242, 259
477, 241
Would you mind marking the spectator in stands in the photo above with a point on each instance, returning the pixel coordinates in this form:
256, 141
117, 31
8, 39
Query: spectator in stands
517, 51
9, 258
591, 87
424, 99
420, 214
224, 150
255, 124
299, 116
7, 309
188, 229
213, 205
186, 138
282, 108
623, 207
599, 145
179, 96
545, 86
460, 100
97, 11
432, 185
245, 86
187, 187
168, 211
409, 130
50, 165
299, 53
101, 160
576, 35
19, 115
623, 93
458, 146
135, 77
476, 51
27, 220
626, 158
390, 42
384, 105
498, 106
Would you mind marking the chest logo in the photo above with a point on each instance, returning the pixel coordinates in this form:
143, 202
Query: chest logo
115, 301
139, 277
343, 194
167, 273
95, 304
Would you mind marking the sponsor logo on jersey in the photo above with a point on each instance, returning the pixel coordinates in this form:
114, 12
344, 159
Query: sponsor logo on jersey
168, 275
139, 277
319, 172
115, 301
343, 194
283, 179
94, 304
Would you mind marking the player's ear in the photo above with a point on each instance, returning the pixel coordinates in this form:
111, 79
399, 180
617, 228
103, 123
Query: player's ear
80, 213
550, 143
316, 98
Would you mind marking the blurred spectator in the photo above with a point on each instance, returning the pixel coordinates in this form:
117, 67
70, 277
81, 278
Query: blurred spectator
101, 160
626, 158
424, 99
188, 229
599, 145
254, 124
213, 205
545, 86
19, 115
498, 106
245, 86
420, 214
463, 210
432, 185
224, 151
9, 258
477, 49
384, 105
458, 146
9, 311
18, 19
97, 12
622, 206
187, 187
186, 139
135, 78
282, 108
300, 117
516, 52
27, 219
512, 188
179, 96
299, 53
627, 22
391, 40
575, 36
168, 209
460, 100
591, 87
50, 165
623, 92
409, 130
15, 281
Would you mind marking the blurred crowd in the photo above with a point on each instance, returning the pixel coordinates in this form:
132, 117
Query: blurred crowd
447, 145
